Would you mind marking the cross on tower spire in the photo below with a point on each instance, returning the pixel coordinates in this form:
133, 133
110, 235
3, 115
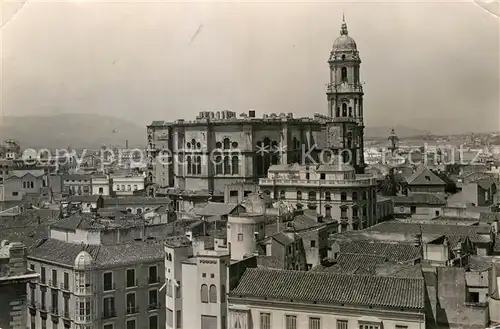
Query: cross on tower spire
343, 29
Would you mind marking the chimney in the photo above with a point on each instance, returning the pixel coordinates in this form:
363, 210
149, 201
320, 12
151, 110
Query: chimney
18, 263
126, 144
251, 113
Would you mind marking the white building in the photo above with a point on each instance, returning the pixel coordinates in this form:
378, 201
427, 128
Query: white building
335, 191
101, 185
127, 184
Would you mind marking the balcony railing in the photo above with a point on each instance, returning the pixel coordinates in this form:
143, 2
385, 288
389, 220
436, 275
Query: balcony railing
64, 286
109, 287
55, 311
154, 306
109, 314
52, 283
153, 280
132, 309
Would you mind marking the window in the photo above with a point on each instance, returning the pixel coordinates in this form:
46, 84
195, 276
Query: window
343, 212
170, 318
227, 166
368, 325
437, 212
42, 274
108, 326
204, 293
299, 195
54, 301
153, 275
213, 294
344, 109
42, 295
265, 320
354, 196
153, 322
66, 281
208, 322
189, 165
66, 306
153, 299
198, 165
15, 193
131, 309
342, 324
413, 209
109, 307
314, 323
226, 142
398, 326
131, 324
101, 190
178, 319
328, 211
240, 236
344, 74
33, 322
32, 295
282, 194
290, 322
131, 278
322, 176
328, 196
108, 281
312, 196
44, 323
235, 165
54, 278
313, 243
343, 196
218, 165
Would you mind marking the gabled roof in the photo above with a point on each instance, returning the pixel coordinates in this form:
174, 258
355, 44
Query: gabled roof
424, 176
331, 288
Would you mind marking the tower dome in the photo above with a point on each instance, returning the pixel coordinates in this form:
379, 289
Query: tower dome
344, 42
83, 261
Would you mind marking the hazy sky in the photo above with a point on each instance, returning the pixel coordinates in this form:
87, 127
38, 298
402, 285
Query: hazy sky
426, 64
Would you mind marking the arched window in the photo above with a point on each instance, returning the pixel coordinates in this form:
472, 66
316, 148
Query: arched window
282, 194
344, 74
189, 164
343, 196
213, 294
204, 293
198, 145
227, 166
193, 143
218, 165
350, 111
344, 109
235, 165
354, 196
328, 211
139, 211
218, 145
188, 145
337, 114
222, 293
198, 165
343, 57
312, 196
355, 212
234, 145
328, 196
299, 195
227, 142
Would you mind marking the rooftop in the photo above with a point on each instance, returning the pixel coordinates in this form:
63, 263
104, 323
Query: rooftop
419, 198
331, 288
64, 253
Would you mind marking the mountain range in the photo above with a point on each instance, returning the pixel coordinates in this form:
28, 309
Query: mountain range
94, 131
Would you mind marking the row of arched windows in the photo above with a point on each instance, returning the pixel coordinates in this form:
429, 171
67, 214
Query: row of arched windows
194, 144
226, 144
210, 295
311, 196
227, 165
193, 165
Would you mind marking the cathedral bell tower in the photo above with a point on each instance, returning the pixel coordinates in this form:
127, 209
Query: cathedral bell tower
345, 99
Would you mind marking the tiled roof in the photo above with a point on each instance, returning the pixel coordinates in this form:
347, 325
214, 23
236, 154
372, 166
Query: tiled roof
480, 263
353, 264
332, 288
476, 234
271, 262
392, 252
103, 255
136, 200
419, 198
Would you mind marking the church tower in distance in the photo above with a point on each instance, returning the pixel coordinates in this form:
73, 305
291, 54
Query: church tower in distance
345, 100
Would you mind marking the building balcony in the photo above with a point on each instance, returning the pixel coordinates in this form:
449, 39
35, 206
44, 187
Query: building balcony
66, 315
54, 311
153, 280
108, 314
132, 309
154, 306
317, 183
64, 286
52, 284
344, 88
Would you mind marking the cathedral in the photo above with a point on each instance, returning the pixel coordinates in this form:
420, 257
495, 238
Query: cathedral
237, 140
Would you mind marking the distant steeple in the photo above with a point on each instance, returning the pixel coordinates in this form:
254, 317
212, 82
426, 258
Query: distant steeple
393, 138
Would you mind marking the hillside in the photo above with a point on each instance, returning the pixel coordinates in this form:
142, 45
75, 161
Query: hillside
72, 130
